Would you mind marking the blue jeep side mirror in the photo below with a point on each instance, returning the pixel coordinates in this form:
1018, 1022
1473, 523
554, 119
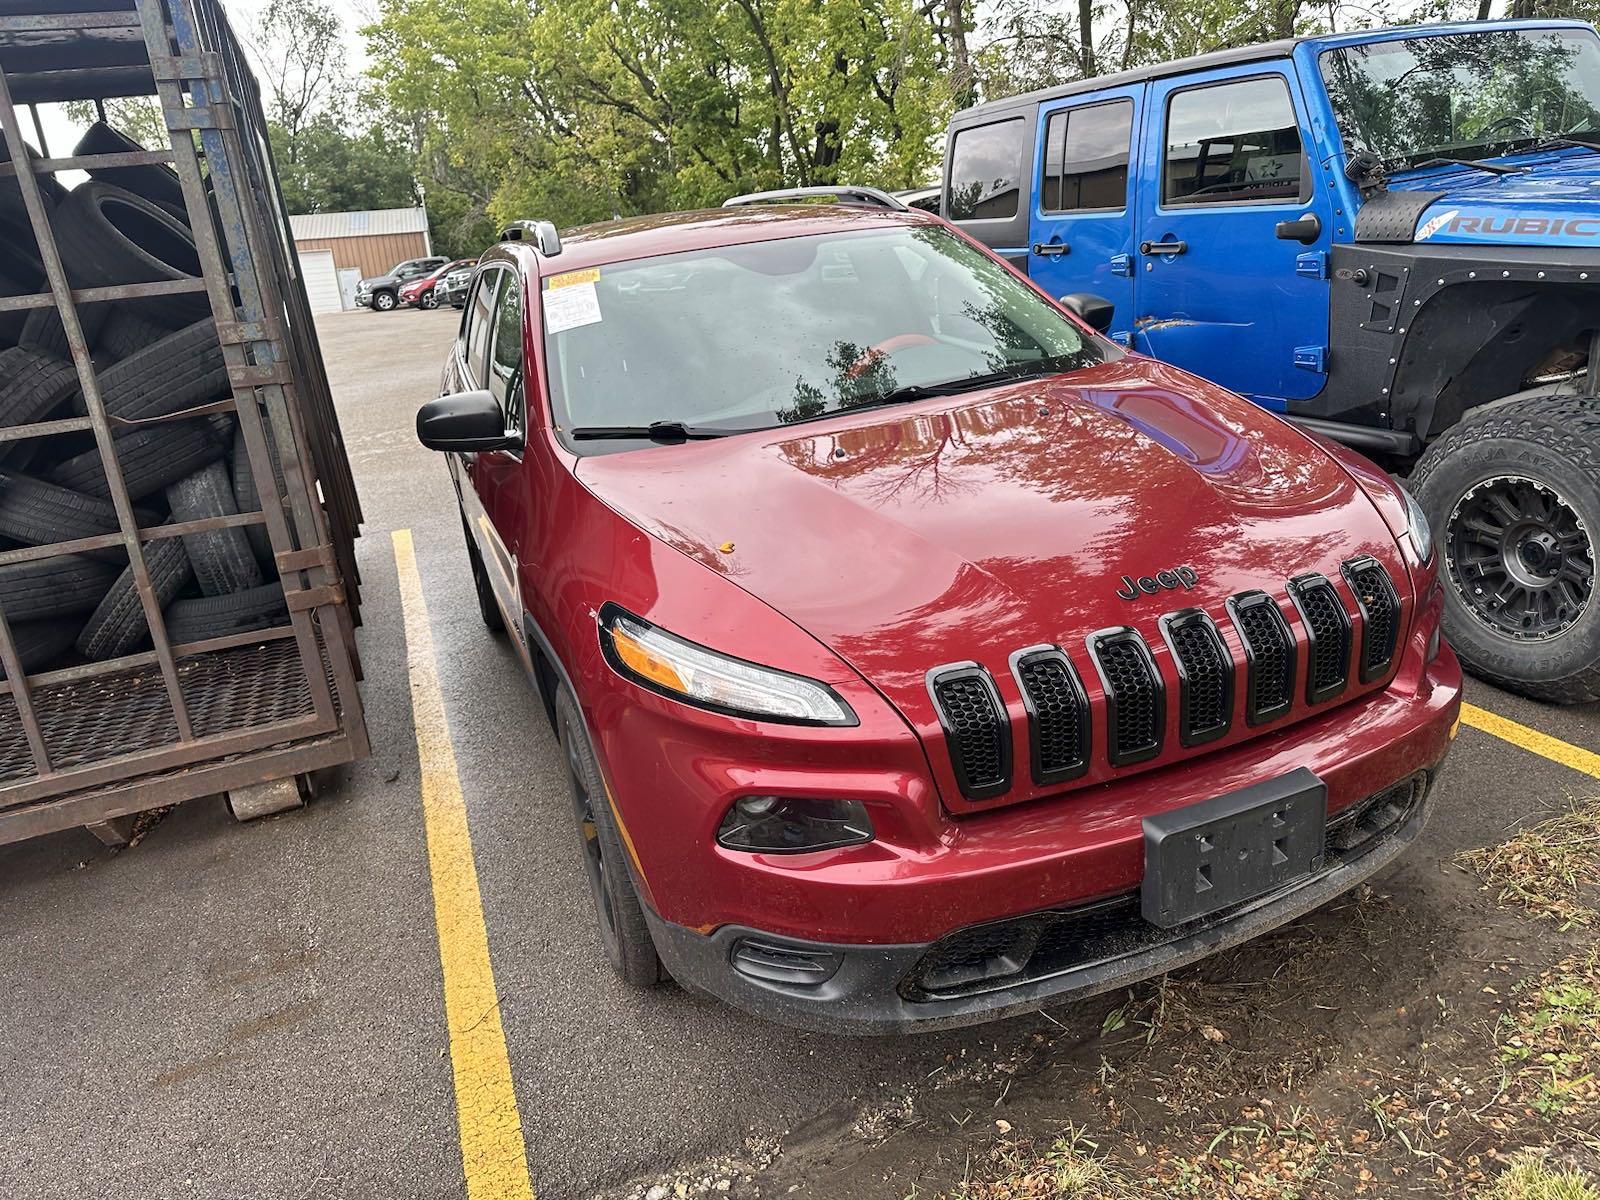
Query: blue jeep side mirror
1095, 311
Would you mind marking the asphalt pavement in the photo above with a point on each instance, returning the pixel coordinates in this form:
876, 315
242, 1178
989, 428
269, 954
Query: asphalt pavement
228, 1011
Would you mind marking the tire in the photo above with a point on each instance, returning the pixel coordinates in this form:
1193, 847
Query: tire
180, 371
59, 586
107, 235
247, 497
39, 643
155, 182
488, 609
150, 460
624, 934
222, 559
118, 624
43, 331
125, 333
428, 302
32, 386
1542, 451
218, 616
37, 513
11, 191
384, 301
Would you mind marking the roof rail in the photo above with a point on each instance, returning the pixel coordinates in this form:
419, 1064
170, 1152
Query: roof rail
542, 233
869, 197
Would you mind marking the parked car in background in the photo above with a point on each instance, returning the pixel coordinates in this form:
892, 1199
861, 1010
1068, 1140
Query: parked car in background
918, 655
452, 289
421, 292
382, 292
1391, 237
925, 198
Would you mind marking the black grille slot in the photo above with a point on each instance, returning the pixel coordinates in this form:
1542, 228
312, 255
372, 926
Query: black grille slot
1205, 676
1058, 713
1328, 630
1269, 650
1380, 614
1136, 711
975, 729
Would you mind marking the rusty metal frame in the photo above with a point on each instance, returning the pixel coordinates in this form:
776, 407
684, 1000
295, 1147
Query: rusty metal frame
211, 104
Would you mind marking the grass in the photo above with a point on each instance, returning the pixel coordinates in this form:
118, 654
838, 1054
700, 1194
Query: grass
1529, 1177
1072, 1169
1544, 867
1550, 1039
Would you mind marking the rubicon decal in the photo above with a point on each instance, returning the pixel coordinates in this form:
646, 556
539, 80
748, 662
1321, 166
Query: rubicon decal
1585, 228
1149, 585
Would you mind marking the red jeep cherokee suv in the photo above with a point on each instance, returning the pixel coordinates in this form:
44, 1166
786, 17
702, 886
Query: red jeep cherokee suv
919, 655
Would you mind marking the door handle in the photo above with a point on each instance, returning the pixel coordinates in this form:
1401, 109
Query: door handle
1167, 248
1304, 230
1051, 249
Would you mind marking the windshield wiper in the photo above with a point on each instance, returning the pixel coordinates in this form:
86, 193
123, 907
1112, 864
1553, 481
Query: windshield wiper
1556, 143
656, 431
1492, 168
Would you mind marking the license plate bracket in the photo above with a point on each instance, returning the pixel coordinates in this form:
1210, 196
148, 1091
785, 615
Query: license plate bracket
1208, 856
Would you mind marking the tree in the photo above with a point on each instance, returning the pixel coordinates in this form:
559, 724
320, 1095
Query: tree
137, 117
334, 170
300, 47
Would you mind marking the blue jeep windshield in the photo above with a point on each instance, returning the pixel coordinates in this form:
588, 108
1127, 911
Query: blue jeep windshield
774, 332
1464, 95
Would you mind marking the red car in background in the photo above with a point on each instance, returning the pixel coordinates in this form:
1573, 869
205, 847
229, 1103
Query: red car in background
419, 292
919, 655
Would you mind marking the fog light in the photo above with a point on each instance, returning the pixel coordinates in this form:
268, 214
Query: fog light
782, 825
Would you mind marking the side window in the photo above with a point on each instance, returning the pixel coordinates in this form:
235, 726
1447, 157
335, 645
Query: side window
985, 171
505, 361
479, 325
1086, 158
1234, 143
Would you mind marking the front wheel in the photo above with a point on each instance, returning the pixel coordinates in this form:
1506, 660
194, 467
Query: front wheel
1513, 495
384, 301
429, 302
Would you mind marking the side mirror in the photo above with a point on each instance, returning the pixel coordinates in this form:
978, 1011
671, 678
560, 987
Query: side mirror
1095, 311
466, 423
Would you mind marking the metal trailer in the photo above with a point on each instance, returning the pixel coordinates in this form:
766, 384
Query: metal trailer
249, 715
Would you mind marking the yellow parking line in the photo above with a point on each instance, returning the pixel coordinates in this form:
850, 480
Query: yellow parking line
493, 1154
1532, 740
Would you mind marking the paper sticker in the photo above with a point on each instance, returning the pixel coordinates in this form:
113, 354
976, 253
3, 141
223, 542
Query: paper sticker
572, 278
571, 306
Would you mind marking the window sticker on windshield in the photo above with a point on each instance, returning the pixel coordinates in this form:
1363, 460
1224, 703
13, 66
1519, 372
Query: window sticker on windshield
574, 278
570, 306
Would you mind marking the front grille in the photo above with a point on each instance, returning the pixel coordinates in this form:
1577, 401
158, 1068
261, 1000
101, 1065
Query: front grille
975, 729
1380, 614
1136, 711
1328, 630
1058, 713
1270, 654
1205, 676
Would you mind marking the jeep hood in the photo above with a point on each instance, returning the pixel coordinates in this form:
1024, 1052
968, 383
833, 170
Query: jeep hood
1554, 202
971, 527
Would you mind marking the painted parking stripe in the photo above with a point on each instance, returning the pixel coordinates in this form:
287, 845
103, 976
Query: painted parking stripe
493, 1154
1532, 740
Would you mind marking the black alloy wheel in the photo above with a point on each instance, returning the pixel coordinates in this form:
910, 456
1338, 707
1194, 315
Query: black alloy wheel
1520, 556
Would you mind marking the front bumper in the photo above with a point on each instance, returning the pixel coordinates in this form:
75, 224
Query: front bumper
363, 299
882, 989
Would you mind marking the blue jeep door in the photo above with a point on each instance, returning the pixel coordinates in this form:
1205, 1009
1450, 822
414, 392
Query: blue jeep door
1233, 234
1081, 231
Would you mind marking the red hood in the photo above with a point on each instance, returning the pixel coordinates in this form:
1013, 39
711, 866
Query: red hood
968, 528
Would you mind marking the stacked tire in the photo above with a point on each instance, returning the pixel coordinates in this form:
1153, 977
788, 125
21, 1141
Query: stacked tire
155, 359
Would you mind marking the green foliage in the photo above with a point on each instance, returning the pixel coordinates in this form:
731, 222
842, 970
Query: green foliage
328, 169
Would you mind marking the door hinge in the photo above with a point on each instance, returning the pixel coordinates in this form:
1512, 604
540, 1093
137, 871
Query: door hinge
1312, 358
1312, 265
1122, 264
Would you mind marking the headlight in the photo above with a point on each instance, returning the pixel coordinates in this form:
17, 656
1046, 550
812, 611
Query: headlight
1417, 528
658, 660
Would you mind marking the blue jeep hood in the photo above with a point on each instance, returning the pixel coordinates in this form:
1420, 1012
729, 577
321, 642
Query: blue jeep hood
1555, 201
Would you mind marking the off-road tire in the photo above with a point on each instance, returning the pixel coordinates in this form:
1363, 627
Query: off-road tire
37, 513
1550, 438
198, 620
624, 933
245, 493
39, 643
385, 301
108, 235
118, 624
67, 583
32, 386
488, 609
150, 458
182, 370
222, 559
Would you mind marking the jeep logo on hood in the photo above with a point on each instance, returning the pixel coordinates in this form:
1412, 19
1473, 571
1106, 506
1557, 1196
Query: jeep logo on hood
1149, 585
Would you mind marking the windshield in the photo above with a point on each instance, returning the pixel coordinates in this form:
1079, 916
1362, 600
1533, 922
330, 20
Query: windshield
1466, 95
771, 333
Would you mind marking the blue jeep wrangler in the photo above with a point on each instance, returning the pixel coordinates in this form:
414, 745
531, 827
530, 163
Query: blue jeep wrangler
1392, 238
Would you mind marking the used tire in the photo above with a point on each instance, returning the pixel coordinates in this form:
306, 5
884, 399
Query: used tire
107, 235
150, 458
43, 331
1512, 493
37, 513
32, 386
125, 333
218, 616
39, 643
222, 559
155, 182
118, 623
180, 371
623, 932
67, 583
245, 493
